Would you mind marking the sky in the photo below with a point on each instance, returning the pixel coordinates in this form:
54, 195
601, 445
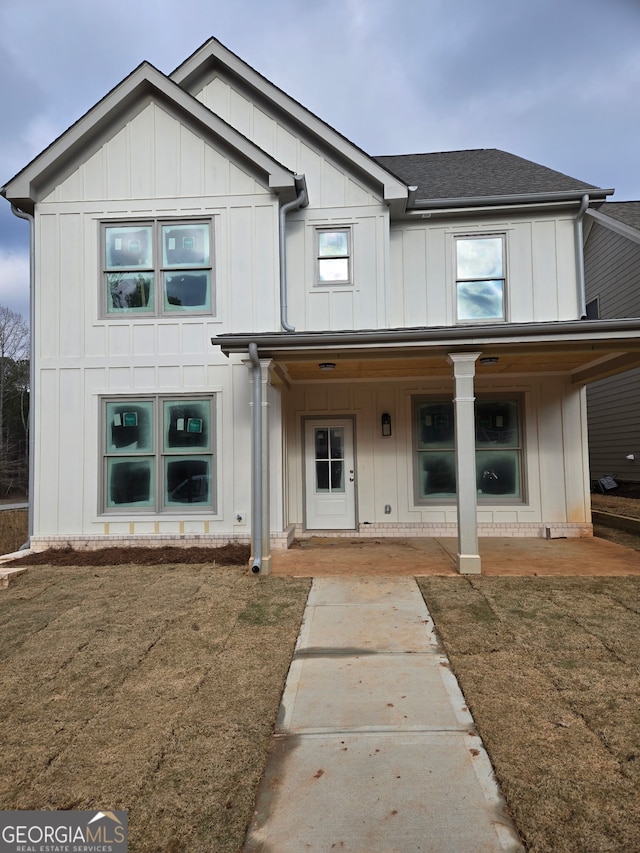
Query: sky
554, 81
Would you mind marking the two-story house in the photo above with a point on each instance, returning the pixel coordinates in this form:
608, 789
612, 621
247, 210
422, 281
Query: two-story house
245, 327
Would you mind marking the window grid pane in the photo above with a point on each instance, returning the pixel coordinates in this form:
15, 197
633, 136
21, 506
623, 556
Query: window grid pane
498, 450
137, 476
158, 269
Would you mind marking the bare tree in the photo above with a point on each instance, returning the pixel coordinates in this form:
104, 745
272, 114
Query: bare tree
14, 392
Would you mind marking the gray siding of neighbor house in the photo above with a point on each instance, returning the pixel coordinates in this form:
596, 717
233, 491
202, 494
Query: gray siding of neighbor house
612, 272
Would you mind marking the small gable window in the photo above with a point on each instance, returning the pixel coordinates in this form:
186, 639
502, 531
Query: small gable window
157, 268
333, 255
480, 278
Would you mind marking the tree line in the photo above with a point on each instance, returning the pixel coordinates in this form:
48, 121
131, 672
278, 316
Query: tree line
14, 404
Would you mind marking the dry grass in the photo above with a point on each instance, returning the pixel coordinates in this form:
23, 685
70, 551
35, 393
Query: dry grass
549, 668
13, 529
152, 689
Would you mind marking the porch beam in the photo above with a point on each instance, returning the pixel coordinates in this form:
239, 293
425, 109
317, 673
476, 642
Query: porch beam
464, 369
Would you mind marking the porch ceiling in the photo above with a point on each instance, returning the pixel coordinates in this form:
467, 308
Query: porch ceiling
582, 350
581, 365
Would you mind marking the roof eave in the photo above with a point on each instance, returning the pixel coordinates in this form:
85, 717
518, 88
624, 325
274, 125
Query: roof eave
25, 188
214, 54
472, 335
422, 206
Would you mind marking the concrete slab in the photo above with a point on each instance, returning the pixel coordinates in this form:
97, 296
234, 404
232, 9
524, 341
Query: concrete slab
364, 590
378, 627
380, 793
372, 693
375, 750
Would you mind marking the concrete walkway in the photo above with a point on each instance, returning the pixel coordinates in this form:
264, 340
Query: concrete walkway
375, 751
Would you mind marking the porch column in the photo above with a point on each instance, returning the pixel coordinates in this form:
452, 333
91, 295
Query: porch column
464, 369
264, 467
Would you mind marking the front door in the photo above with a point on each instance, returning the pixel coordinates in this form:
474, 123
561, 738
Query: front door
330, 474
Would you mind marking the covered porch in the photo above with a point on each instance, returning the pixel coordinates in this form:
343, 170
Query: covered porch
557, 360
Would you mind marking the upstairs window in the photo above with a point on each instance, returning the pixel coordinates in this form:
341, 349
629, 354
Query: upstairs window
480, 278
157, 268
333, 256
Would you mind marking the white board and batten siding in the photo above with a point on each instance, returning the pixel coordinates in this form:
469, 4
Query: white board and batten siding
540, 269
554, 420
83, 356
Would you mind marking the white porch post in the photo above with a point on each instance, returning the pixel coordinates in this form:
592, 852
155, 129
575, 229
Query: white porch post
464, 369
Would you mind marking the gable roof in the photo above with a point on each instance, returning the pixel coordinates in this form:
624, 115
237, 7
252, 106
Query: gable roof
622, 217
627, 212
214, 58
482, 174
91, 130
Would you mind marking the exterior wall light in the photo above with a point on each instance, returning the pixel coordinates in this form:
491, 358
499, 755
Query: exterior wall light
386, 424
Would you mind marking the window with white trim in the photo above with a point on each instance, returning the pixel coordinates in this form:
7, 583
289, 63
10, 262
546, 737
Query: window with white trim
480, 278
158, 454
157, 268
499, 450
333, 256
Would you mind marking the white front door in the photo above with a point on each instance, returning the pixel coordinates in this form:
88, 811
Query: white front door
330, 474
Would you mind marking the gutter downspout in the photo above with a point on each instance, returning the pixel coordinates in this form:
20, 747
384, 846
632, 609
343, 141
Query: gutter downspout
301, 200
32, 299
256, 456
582, 298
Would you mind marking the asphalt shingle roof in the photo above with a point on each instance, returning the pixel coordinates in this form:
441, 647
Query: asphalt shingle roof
627, 212
477, 173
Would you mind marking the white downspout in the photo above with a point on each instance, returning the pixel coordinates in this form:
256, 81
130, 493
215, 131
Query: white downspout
582, 298
301, 200
32, 302
256, 458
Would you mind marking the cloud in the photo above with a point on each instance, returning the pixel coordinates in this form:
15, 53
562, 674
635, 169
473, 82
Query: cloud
14, 281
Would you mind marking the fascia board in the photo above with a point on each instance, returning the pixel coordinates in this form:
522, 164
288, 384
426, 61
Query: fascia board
615, 225
144, 81
214, 53
577, 332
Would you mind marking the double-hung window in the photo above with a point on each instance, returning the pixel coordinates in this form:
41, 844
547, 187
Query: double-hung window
157, 268
333, 256
159, 454
499, 450
480, 278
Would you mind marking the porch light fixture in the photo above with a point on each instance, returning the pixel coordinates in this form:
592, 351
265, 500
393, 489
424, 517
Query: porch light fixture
489, 359
327, 365
386, 424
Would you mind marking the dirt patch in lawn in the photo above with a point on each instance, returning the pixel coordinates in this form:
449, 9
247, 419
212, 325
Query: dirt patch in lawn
549, 669
231, 554
148, 688
14, 529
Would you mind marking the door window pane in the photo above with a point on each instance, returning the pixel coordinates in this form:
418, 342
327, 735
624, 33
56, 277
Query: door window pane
337, 476
322, 476
322, 443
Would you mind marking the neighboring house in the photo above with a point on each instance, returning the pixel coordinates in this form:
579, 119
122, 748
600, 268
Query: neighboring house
245, 327
612, 274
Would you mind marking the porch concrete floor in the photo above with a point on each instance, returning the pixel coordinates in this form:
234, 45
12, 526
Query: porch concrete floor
325, 556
